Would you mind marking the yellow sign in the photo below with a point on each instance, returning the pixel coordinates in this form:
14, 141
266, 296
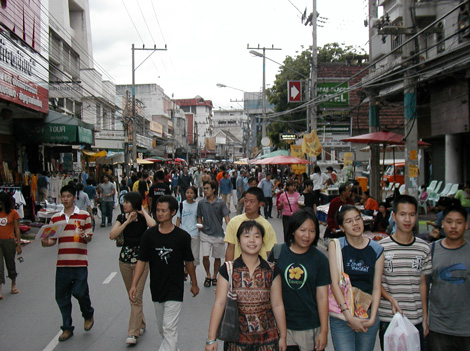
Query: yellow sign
348, 158
413, 171
296, 151
311, 144
413, 154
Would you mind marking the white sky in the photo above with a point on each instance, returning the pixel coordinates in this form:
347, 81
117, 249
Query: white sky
207, 41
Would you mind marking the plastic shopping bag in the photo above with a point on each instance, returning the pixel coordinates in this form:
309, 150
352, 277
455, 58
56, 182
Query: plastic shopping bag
401, 335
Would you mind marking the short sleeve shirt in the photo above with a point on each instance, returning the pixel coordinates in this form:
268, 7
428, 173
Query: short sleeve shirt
7, 224
212, 216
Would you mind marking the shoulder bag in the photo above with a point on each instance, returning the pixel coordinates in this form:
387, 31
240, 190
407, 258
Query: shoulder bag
345, 286
229, 328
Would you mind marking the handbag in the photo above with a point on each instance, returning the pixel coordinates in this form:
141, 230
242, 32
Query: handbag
120, 240
345, 286
229, 328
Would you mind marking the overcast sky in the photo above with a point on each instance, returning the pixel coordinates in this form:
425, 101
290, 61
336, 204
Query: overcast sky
207, 41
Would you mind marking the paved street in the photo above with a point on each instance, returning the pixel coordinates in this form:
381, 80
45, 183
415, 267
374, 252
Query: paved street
31, 320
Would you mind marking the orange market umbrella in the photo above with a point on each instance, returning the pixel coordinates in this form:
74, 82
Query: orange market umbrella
281, 160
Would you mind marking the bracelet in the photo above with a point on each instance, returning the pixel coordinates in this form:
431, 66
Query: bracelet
344, 309
210, 342
341, 304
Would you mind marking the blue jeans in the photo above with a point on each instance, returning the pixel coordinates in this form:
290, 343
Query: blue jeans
72, 281
106, 211
346, 339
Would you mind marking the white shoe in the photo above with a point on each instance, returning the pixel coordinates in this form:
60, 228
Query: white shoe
131, 340
142, 331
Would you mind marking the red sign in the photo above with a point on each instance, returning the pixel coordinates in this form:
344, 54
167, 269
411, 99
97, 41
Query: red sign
22, 92
294, 91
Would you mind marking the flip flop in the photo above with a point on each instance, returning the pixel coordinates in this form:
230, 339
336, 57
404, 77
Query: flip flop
14, 291
207, 282
214, 282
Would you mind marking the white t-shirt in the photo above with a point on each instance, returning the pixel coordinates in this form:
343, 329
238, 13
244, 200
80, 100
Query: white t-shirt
188, 218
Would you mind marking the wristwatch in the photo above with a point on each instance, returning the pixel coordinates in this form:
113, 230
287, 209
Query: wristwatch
210, 342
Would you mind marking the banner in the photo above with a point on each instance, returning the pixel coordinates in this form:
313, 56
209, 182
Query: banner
311, 144
296, 151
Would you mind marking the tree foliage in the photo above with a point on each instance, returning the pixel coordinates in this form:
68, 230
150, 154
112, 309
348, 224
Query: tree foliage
298, 68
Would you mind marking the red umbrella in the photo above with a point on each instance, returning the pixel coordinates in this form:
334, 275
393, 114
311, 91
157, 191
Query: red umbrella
180, 160
383, 137
281, 160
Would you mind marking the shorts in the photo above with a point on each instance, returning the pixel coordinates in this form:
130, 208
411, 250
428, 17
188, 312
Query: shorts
195, 248
216, 244
304, 339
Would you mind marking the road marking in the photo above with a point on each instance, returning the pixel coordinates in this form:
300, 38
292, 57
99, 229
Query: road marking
110, 277
54, 342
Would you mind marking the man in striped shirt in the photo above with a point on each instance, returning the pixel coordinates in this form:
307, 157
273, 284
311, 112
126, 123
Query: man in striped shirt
407, 263
72, 262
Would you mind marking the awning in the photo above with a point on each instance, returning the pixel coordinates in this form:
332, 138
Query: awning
94, 153
54, 128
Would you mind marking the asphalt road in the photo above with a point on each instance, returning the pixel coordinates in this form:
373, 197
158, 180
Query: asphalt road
31, 319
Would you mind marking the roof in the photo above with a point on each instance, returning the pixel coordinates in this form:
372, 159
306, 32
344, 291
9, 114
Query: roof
197, 101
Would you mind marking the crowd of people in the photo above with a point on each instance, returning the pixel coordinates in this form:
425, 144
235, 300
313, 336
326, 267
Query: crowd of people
285, 291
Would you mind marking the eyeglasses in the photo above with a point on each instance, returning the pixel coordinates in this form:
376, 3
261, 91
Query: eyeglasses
351, 220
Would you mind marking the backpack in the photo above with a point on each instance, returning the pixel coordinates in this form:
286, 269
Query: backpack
121, 196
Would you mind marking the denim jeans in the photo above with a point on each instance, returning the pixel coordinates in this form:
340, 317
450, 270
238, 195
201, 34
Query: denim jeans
268, 208
346, 339
106, 211
72, 281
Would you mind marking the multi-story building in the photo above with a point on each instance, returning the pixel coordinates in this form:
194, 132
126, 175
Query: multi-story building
234, 124
423, 47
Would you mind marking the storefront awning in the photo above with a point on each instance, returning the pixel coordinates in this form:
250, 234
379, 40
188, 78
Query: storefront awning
95, 154
55, 128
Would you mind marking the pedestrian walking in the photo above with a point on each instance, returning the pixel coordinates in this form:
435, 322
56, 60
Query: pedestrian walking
72, 262
166, 248
257, 284
288, 203
106, 190
10, 241
132, 224
363, 261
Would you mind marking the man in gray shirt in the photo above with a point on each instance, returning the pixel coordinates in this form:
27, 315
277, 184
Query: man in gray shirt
267, 186
210, 213
106, 191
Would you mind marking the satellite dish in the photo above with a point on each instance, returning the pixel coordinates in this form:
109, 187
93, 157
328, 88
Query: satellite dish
265, 141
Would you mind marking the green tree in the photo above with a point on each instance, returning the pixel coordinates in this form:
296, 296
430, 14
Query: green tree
298, 68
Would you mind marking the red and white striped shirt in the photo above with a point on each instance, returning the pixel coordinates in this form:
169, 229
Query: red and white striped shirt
72, 249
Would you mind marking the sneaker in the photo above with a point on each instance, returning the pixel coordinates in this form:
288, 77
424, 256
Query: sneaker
142, 331
110, 224
103, 225
88, 324
131, 340
67, 334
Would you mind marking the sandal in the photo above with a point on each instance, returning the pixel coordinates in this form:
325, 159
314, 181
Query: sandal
14, 291
214, 282
207, 282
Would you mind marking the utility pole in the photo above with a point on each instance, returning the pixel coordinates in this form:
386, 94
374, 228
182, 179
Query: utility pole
126, 121
411, 120
263, 122
134, 116
312, 110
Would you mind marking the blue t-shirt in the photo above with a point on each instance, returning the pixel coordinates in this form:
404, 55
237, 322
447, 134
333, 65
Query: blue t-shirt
225, 186
360, 264
301, 275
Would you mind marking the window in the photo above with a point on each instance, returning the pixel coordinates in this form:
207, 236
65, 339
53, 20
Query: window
98, 115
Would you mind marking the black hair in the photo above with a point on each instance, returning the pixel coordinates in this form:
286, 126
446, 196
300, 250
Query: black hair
123, 183
290, 183
159, 175
316, 169
79, 187
455, 208
404, 199
89, 181
297, 219
194, 189
384, 204
135, 199
170, 200
342, 211
69, 188
367, 193
142, 188
308, 182
268, 174
252, 179
247, 225
212, 183
343, 188
7, 204
257, 192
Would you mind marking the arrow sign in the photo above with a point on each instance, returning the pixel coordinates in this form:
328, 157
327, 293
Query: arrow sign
294, 91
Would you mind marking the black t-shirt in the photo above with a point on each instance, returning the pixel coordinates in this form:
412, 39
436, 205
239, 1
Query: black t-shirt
166, 254
310, 199
134, 230
185, 181
155, 191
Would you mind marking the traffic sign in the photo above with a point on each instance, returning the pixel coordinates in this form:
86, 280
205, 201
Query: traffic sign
294, 91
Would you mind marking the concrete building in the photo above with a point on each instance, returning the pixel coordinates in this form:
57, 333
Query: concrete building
233, 122
422, 47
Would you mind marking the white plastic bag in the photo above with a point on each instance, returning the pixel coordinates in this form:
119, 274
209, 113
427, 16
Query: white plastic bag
401, 335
